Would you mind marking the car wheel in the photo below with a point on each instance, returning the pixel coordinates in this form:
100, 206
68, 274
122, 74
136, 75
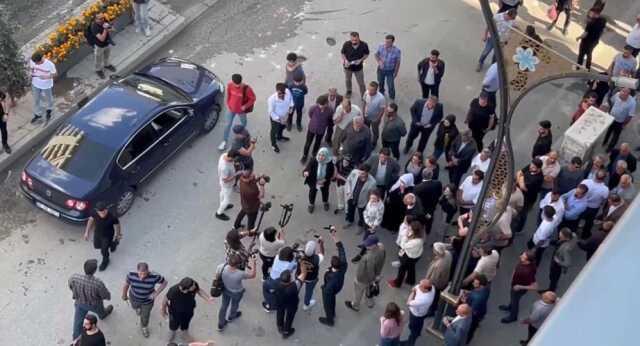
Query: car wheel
211, 119
125, 201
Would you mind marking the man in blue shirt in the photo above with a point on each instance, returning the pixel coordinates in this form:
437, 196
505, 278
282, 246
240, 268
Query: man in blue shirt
388, 58
140, 290
623, 108
575, 203
477, 299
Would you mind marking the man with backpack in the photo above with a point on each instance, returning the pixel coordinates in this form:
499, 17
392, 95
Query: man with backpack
240, 101
232, 291
98, 35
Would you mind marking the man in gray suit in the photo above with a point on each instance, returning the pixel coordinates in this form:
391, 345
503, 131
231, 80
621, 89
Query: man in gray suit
384, 169
458, 327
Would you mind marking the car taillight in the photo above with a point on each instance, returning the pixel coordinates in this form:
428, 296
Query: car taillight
24, 176
27, 180
77, 205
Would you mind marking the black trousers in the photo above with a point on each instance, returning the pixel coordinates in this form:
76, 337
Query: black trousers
329, 303
351, 212
531, 331
394, 147
267, 263
475, 323
314, 138
180, 320
407, 268
4, 133
285, 316
276, 132
426, 89
567, 17
455, 175
414, 132
478, 136
612, 135
251, 219
571, 224
313, 191
555, 271
588, 216
586, 49
329, 134
539, 251
514, 303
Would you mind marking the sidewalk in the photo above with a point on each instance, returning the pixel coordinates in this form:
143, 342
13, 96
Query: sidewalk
81, 83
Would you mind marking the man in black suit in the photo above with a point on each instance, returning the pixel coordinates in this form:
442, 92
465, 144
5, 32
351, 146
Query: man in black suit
384, 169
622, 154
428, 192
460, 157
425, 115
335, 100
430, 72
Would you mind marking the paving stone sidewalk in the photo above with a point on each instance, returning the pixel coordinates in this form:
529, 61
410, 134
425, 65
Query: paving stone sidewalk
81, 83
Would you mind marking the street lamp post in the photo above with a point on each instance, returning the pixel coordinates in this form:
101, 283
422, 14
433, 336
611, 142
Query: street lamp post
514, 80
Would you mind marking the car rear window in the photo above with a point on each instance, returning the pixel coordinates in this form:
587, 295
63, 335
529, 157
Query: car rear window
72, 151
153, 89
185, 76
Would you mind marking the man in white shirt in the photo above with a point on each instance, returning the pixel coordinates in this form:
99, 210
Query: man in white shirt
633, 39
487, 265
43, 72
226, 175
481, 161
491, 83
469, 191
542, 237
419, 302
596, 196
504, 22
553, 199
279, 106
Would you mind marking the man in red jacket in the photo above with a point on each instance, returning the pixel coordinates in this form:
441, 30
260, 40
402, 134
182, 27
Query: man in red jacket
240, 101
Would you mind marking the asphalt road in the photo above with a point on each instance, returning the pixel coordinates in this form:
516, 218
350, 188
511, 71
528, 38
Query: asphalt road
171, 224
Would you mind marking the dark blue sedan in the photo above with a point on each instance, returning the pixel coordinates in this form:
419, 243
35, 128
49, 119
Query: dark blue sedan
120, 137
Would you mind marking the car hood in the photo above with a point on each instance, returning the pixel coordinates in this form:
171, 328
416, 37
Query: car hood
71, 185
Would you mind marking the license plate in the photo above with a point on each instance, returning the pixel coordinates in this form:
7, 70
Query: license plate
47, 209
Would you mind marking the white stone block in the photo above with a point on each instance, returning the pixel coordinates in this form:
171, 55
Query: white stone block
580, 138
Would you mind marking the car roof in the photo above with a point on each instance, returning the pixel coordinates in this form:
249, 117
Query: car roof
113, 115
183, 74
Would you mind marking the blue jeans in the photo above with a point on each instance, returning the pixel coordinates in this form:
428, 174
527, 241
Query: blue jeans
232, 298
309, 286
488, 47
389, 341
229, 116
81, 311
268, 291
42, 100
141, 13
415, 328
388, 76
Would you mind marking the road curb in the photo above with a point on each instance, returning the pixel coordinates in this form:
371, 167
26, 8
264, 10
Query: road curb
191, 15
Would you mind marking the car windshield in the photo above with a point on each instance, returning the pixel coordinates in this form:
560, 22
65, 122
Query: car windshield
183, 75
72, 151
152, 89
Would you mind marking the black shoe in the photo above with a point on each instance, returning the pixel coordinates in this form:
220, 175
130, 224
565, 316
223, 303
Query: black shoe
350, 306
110, 68
299, 127
523, 342
504, 307
325, 321
107, 311
284, 139
326, 207
238, 314
348, 94
286, 335
337, 211
222, 217
101, 74
221, 327
48, 115
104, 264
508, 320
36, 118
266, 307
114, 245
303, 160
7, 149
310, 208
276, 149
229, 206
356, 259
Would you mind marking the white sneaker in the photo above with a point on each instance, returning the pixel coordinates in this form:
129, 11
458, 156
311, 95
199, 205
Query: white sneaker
137, 29
305, 307
147, 32
312, 302
222, 145
395, 264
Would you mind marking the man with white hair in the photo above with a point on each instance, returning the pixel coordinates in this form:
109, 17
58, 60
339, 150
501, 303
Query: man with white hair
539, 312
438, 272
625, 189
623, 108
356, 141
481, 161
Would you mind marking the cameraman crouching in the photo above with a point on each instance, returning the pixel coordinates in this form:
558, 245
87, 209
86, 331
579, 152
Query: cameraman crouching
285, 261
252, 191
333, 281
313, 260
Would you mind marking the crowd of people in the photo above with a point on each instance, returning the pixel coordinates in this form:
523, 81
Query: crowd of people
574, 204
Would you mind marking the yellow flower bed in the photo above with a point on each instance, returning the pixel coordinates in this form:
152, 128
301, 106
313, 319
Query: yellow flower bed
70, 35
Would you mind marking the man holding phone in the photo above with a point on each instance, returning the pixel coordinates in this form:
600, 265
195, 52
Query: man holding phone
101, 30
333, 280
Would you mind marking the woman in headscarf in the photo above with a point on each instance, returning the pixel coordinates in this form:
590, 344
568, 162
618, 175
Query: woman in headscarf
318, 175
445, 136
394, 209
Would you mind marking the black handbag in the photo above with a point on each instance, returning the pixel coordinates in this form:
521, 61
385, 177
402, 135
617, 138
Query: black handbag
374, 289
217, 286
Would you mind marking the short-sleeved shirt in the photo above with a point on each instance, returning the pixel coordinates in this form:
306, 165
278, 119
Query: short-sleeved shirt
233, 278
524, 274
390, 57
375, 104
479, 117
620, 63
249, 195
96, 339
141, 289
346, 118
291, 75
470, 191
533, 182
594, 29
180, 302
352, 53
488, 265
39, 71
97, 29
621, 110
420, 305
270, 248
504, 25
226, 169
105, 227
244, 142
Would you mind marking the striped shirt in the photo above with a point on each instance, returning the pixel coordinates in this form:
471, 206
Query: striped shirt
87, 289
141, 289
